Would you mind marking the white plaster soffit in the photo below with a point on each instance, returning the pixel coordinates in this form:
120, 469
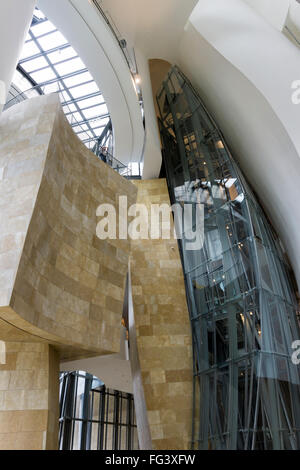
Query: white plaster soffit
261, 53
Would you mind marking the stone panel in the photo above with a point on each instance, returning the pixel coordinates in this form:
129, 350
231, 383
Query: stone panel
163, 331
58, 281
29, 397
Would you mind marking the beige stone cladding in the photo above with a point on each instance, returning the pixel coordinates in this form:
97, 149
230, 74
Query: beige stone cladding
163, 331
58, 281
29, 397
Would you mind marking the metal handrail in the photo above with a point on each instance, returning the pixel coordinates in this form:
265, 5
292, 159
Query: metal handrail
40, 88
113, 162
122, 43
132, 68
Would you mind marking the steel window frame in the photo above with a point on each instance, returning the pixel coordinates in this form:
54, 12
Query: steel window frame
60, 80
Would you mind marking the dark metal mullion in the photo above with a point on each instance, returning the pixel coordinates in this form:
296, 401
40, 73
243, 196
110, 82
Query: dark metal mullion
69, 421
120, 421
38, 21
68, 412
106, 419
30, 80
95, 421
129, 422
90, 417
101, 418
116, 421
62, 408
74, 408
85, 414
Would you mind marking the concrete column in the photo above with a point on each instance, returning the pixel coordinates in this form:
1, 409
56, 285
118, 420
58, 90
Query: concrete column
15, 18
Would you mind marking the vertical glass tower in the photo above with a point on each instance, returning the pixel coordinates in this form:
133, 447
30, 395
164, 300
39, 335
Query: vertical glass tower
241, 297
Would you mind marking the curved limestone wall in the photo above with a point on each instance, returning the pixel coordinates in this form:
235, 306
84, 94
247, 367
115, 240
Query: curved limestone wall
58, 281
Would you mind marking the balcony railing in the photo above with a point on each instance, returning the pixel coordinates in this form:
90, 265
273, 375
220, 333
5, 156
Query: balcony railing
97, 145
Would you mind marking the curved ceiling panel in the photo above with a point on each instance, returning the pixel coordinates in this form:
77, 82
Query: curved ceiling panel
256, 136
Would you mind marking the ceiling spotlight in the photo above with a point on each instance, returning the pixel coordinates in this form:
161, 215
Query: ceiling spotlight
137, 80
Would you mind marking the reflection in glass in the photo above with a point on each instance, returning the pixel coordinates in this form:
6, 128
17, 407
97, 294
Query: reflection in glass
240, 295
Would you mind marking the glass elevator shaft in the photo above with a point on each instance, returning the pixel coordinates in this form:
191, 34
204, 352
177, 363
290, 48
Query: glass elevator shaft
240, 292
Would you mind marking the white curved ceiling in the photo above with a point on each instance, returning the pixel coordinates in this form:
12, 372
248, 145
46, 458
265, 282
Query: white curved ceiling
155, 26
244, 68
228, 51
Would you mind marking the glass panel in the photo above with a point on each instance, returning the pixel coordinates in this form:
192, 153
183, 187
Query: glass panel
42, 28
64, 62
70, 108
70, 66
93, 112
21, 82
43, 75
75, 117
62, 54
35, 64
84, 90
242, 304
29, 49
52, 88
90, 102
51, 41
78, 79
99, 122
81, 128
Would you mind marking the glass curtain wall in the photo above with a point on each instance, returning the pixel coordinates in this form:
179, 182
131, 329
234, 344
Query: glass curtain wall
240, 293
93, 417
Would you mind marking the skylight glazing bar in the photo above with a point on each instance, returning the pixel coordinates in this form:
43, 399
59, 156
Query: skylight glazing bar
44, 34
86, 121
91, 107
51, 65
63, 77
54, 63
41, 54
82, 98
60, 80
41, 36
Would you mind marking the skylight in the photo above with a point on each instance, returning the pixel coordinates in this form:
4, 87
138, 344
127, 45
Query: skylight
50, 63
